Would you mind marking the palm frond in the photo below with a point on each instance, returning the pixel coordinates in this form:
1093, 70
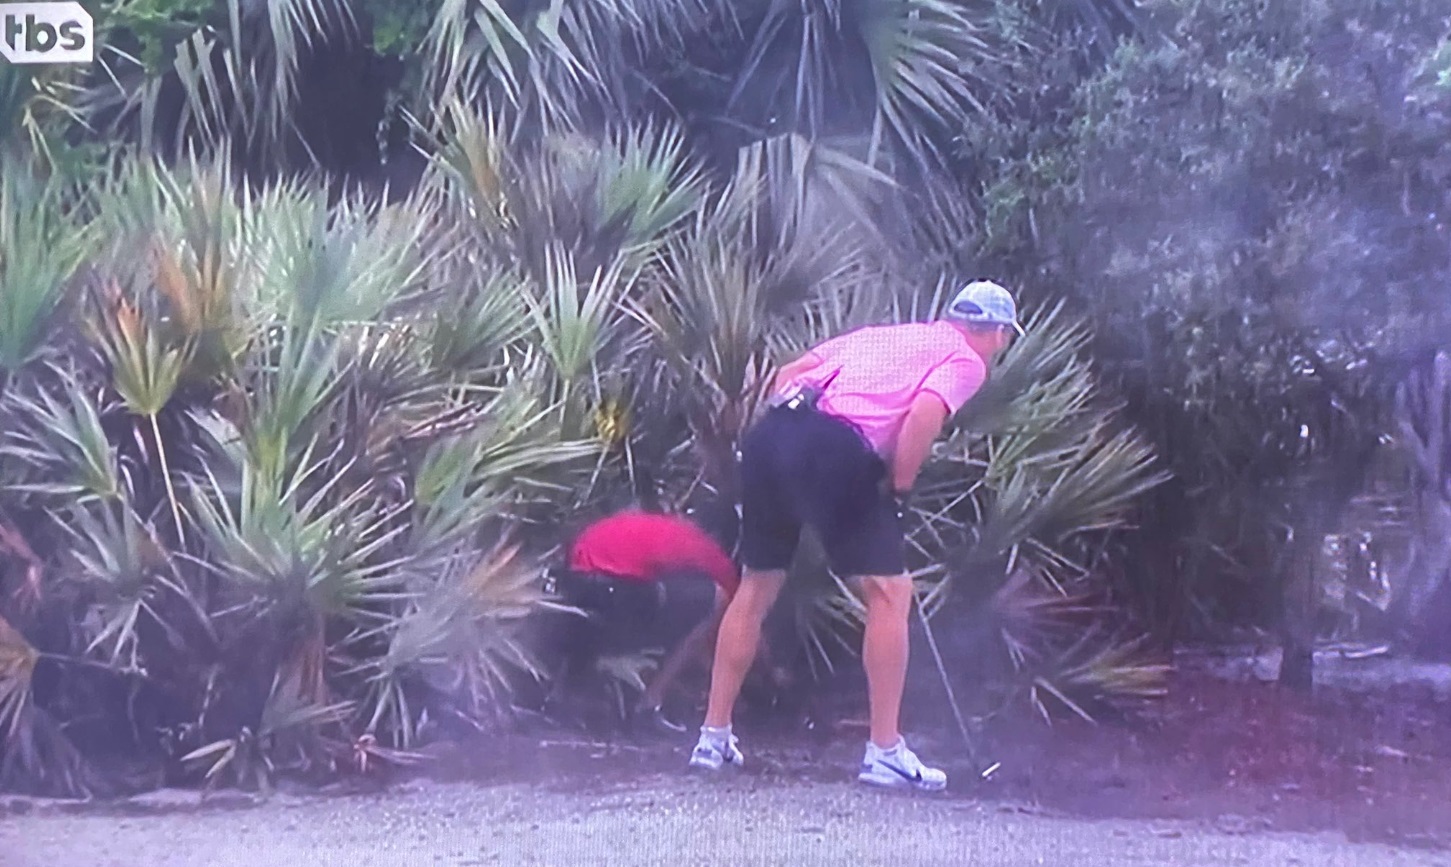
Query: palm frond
59, 445
1100, 672
322, 263
457, 640
145, 368
517, 448
122, 563
473, 45
1048, 359
555, 67
469, 334
827, 615
287, 384
40, 250
932, 64
17, 668
197, 237
472, 166
602, 197
293, 539
647, 176
239, 80
1091, 492
929, 60
570, 324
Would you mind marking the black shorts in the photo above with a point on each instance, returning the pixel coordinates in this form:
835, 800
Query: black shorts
801, 467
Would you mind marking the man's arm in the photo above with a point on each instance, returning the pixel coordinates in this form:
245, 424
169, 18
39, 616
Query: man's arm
699, 646
946, 389
923, 424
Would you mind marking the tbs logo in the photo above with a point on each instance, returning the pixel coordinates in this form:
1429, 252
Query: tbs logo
46, 33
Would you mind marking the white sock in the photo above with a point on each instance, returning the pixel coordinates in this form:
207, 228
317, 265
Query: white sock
719, 735
893, 750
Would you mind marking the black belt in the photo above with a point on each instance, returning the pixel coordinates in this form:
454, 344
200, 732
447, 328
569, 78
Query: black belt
804, 400
805, 397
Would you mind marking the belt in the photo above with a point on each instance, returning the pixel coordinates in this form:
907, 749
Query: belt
804, 399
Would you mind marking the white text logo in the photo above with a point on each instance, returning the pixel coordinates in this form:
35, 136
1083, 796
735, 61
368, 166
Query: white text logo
46, 33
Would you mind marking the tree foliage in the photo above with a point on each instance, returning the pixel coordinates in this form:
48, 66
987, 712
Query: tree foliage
317, 423
1252, 213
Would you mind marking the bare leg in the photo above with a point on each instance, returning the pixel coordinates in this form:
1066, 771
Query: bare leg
884, 653
735, 648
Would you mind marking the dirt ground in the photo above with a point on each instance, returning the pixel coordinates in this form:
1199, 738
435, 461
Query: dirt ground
1220, 772
655, 819
1373, 764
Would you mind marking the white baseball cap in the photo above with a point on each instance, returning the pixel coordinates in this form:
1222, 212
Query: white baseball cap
983, 301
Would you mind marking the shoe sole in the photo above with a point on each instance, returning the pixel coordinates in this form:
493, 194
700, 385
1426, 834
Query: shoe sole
706, 766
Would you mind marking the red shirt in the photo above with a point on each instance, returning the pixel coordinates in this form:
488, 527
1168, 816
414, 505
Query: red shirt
640, 546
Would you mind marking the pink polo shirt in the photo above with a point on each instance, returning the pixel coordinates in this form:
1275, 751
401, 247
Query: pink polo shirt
880, 369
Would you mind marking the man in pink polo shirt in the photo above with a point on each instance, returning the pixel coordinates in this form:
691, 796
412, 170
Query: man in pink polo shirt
850, 425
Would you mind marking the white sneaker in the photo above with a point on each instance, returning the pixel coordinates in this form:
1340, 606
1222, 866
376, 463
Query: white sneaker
713, 752
899, 768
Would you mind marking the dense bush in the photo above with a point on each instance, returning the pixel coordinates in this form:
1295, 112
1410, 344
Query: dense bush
281, 462
1252, 213
281, 473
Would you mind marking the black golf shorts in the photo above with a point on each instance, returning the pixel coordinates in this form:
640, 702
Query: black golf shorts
801, 467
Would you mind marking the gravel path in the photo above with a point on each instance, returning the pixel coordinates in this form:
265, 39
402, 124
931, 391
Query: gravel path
657, 819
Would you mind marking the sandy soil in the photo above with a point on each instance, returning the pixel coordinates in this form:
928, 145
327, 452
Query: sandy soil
1221, 772
751, 818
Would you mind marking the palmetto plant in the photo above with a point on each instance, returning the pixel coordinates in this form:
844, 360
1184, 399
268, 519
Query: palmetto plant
1036, 469
1007, 534
454, 643
320, 559
288, 735
145, 373
41, 248
299, 473
236, 65
924, 65
603, 197
755, 258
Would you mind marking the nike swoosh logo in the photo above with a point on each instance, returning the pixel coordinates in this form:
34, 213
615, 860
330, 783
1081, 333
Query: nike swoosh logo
911, 778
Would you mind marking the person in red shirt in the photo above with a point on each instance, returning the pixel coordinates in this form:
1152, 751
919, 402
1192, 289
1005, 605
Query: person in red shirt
621, 569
